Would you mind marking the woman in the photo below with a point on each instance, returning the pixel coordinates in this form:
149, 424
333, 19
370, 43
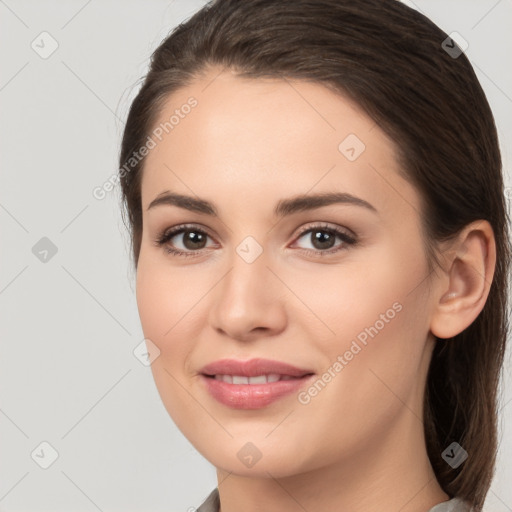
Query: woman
315, 200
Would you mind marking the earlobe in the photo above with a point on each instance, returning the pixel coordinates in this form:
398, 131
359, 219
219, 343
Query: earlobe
464, 286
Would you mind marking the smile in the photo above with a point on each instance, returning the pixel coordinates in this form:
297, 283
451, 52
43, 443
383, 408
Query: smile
258, 379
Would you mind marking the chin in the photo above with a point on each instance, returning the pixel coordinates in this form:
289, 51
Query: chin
258, 459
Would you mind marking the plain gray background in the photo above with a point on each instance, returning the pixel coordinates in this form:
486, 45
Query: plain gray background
69, 322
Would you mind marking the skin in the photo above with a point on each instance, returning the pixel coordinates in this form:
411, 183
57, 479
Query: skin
359, 444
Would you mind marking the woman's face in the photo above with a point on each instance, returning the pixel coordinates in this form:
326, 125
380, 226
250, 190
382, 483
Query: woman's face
267, 277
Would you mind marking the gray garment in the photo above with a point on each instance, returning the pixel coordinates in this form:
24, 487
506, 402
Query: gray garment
212, 504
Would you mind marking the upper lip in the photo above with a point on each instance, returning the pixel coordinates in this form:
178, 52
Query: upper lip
252, 368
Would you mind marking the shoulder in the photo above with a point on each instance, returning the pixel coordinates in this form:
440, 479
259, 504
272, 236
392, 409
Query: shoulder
211, 503
453, 505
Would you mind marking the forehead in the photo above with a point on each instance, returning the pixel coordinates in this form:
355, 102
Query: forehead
256, 137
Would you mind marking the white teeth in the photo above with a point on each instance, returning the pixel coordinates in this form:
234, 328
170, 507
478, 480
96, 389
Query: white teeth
225, 378
259, 379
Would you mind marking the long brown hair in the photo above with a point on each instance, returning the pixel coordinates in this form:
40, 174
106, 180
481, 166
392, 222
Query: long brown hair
392, 62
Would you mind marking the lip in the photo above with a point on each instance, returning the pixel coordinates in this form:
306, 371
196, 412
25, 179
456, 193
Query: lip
252, 368
252, 396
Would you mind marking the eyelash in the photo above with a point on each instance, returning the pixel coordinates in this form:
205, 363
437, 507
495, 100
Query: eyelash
165, 236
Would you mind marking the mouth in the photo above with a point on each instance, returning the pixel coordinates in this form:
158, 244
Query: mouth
254, 380
257, 368
252, 384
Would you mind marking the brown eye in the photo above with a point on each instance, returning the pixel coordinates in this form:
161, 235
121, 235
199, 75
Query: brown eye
194, 239
323, 239
186, 240
189, 240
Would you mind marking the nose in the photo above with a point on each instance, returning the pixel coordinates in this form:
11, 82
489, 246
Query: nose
248, 301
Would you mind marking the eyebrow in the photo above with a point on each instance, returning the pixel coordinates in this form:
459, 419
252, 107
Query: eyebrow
283, 208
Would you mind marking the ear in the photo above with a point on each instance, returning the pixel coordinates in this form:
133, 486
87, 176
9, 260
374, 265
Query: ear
465, 282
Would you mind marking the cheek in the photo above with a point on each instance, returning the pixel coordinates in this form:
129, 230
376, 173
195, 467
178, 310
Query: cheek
154, 301
381, 330
373, 315
347, 300
165, 297
168, 307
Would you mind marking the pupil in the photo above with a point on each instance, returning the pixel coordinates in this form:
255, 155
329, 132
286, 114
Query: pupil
193, 238
323, 238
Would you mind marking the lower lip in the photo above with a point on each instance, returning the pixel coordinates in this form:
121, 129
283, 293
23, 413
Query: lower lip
252, 396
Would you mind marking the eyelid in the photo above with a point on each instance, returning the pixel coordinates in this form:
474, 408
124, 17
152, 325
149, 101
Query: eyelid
164, 236
319, 225
183, 227
341, 232
327, 227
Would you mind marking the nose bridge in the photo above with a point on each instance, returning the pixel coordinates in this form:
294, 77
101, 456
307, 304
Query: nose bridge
249, 276
245, 299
